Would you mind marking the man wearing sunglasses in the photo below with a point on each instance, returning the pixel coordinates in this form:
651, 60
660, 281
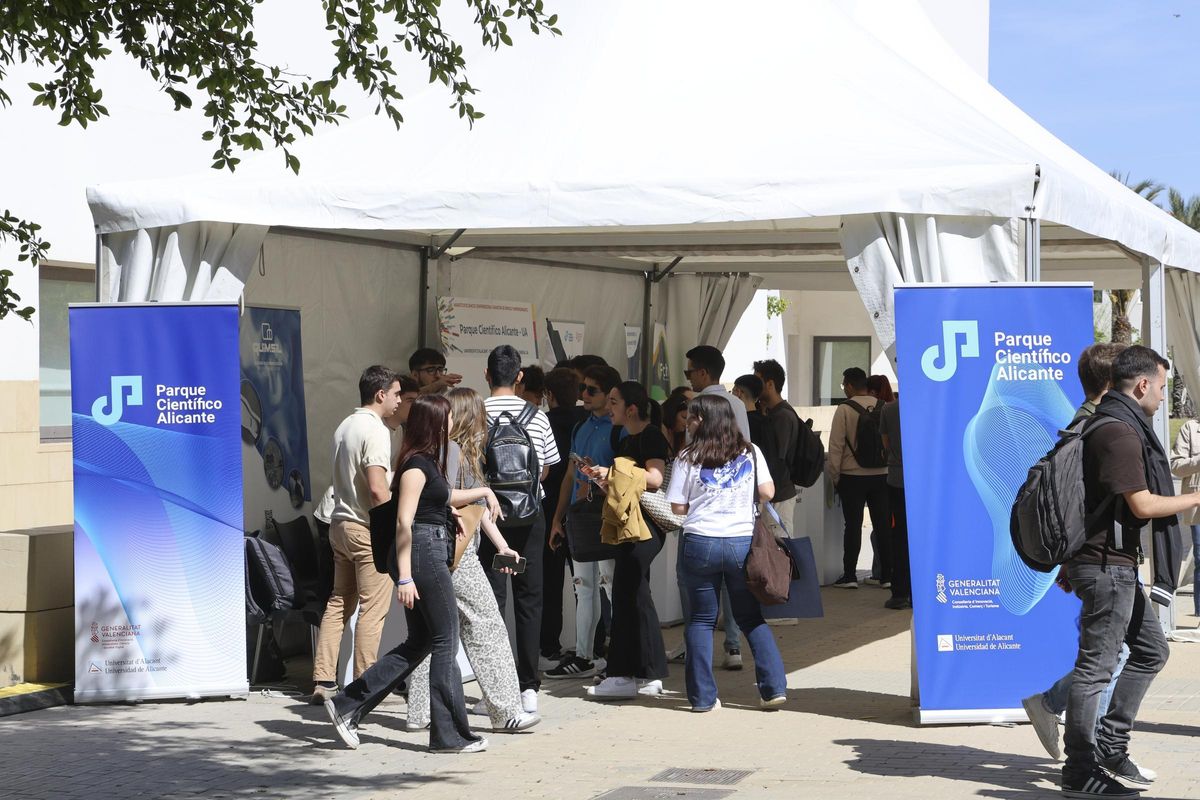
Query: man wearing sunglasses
428, 366
591, 440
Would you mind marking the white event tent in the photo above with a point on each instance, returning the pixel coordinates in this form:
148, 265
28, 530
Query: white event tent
723, 146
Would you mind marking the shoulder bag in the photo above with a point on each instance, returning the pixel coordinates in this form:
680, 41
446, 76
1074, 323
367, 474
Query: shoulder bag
769, 565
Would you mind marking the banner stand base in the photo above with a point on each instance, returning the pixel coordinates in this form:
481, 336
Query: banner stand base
969, 716
140, 695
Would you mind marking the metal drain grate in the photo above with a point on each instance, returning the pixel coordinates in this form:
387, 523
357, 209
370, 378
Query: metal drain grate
664, 793
722, 777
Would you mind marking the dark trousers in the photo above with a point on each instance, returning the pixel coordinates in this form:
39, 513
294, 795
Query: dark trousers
857, 492
530, 542
554, 568
901, 576
1115, 609
432, 628
635, 648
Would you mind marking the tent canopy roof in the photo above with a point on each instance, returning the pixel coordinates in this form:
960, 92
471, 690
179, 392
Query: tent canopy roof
737, 138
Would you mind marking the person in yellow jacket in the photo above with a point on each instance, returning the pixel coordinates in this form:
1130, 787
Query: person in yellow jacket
637, 659
622, 515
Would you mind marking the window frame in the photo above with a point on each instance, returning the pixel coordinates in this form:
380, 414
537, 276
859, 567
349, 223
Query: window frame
65, 271
816, 362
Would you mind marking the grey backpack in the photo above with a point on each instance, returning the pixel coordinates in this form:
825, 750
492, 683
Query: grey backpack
1049, 524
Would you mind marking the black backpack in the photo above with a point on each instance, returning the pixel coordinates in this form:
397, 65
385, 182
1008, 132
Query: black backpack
808, 459
870, 453
270, 585
511, 467
1048, 524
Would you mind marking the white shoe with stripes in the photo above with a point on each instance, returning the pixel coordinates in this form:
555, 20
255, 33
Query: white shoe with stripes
521, 722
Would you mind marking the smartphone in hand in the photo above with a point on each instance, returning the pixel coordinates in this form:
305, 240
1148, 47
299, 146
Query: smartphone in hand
515, 563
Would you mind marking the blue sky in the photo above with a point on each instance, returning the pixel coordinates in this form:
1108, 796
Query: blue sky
1115, 79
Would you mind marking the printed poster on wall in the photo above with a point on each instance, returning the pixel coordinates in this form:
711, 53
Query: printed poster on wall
561, 340
470, 328
660, 366
989, 377
159, 580
274, 422
633, 352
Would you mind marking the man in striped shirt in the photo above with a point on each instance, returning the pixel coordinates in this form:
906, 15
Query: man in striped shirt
503, 373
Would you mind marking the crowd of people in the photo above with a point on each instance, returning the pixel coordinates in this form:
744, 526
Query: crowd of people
491, 492
571, 469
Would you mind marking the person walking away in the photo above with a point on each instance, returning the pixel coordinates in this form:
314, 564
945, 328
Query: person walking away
562, 394
889, 429
425, 536
637, 660
362, 452
716, 483
529, 537
858, 484
1094, 367
1127, 483
591, 440
484, 636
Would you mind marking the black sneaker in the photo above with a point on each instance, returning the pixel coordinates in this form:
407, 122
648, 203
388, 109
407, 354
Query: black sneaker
573, 667
1126, 770
897, 603
1096, 784
846, 582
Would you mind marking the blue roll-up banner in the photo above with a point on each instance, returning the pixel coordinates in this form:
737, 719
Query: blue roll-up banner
988, 377
159, 576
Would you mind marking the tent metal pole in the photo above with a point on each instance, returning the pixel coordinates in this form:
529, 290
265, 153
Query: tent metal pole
647, 327
1154, 335
423, 305
1033, 250
662, 276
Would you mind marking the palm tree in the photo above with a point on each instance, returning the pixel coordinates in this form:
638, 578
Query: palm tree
1122, 299
1186, 211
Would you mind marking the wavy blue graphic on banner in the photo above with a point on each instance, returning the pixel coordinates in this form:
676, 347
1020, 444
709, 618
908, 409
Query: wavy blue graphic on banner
1017, 423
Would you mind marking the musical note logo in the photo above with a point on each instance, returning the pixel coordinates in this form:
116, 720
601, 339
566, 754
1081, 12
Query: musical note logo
116, 402
948, 352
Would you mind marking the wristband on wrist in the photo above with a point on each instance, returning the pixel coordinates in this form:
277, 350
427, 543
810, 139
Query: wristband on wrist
404, 581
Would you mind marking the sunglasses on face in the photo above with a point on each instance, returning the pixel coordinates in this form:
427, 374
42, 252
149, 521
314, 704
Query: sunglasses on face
589, 390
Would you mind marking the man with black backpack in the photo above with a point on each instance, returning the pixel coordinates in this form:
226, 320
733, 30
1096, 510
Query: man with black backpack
785, 424
519, 453
1126, 480
857, 466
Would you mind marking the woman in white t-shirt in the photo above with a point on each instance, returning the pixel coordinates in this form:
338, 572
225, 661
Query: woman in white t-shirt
715, 484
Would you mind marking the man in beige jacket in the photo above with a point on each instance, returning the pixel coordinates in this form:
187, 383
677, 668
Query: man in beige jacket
1185, 463
856, 485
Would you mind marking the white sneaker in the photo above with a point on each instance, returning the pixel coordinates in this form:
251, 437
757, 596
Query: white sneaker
481, 709
521, 722
614, 689
774, 702
346, 729
651, 688
716, 706
412, 725
529, 701
477, 746
1045, 724
679, 654
733, 660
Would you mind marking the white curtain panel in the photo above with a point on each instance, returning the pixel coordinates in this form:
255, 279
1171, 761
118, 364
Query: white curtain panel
701, 309
193, 262
1183, 325
883, 250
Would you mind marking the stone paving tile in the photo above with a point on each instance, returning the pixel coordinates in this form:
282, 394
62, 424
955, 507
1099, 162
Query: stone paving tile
846, 732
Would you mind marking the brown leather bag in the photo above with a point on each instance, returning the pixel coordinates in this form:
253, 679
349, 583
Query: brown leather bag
769, 565
472, 516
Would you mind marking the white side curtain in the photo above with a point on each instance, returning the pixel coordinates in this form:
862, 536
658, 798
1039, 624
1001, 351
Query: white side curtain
883, 250
1183, 325
182, 263
701, 309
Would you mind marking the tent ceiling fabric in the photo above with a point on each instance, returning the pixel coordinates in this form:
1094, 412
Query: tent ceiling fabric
834, 110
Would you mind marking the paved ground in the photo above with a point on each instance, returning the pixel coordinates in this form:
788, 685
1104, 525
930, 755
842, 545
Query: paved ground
847, 731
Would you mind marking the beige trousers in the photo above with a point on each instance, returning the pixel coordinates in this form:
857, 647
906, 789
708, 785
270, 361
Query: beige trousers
355, 583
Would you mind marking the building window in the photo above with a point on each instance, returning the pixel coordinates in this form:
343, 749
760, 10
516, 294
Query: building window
58, 286
831, 356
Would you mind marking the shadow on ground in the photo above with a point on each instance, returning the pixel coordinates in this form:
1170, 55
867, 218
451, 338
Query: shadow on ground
119, 751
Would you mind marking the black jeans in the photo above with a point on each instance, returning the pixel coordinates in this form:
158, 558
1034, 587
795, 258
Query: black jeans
901, 576
554, 567
635, 648
432, 628
856, 492
530, 542
1115, 609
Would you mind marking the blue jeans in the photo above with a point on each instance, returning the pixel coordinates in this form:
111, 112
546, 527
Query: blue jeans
707, 562
733, 637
